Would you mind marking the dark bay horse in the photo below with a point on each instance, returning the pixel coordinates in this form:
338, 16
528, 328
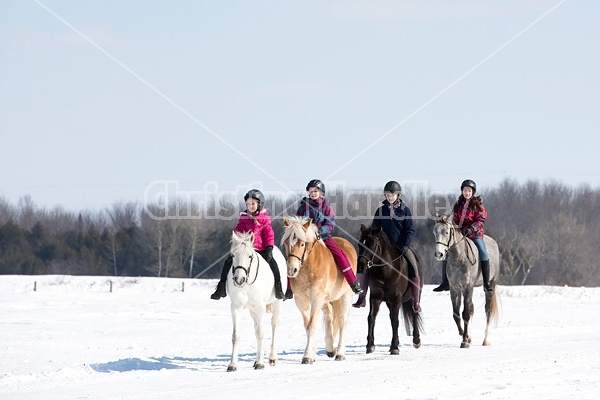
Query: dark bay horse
388, 282
464, 274
318, 286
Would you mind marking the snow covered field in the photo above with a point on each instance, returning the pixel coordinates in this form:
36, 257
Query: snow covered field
73, 338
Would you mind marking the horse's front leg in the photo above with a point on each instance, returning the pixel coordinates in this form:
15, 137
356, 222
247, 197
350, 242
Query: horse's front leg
309, 317
257, 315
310, 353
276, 309
374, 310
467, 315
394, 312
235, 316
455, 296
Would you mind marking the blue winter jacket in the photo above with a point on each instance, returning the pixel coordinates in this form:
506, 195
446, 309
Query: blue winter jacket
398, 227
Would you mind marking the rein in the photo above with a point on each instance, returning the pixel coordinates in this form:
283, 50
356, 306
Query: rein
247, 271
467, 244
374, 252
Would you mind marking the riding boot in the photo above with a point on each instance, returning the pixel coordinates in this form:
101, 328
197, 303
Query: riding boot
444, 285
288, 293
362, 298
275, 269
485, 274
355, 286
415, 289
221, 286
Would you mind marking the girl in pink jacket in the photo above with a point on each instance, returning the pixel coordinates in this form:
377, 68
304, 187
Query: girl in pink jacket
254, 219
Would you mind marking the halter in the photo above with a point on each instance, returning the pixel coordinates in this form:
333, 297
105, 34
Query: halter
377, 249
303, 253
247, 271
467, 244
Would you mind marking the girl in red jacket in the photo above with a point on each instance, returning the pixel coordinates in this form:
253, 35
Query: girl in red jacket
469, 214
254, 219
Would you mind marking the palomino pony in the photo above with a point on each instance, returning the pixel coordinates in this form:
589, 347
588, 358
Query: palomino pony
464, 274
388, 282
318, 285
251, 285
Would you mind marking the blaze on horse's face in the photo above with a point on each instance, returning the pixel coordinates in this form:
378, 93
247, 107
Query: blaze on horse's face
244, 257
442, 231
299, 234
366, 248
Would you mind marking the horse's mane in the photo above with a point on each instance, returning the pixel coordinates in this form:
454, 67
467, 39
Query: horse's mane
295, 231
384, 238
241, 239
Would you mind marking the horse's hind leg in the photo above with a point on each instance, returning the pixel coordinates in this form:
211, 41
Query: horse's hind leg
276, 308
394, 312
488, 316
328, 328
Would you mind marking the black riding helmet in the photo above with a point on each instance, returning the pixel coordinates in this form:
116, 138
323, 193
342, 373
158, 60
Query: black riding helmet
470, 183
256, 195
316, 183
392, 187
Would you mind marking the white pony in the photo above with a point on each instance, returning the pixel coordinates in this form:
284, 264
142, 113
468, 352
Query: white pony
250, 285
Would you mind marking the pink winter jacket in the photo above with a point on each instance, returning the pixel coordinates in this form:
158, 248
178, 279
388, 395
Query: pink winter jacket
260, 225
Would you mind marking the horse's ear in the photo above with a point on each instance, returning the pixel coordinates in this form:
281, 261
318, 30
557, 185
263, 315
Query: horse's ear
234, 234
448, 218
307, 225
363, 228
376, 230
252, 237
286, 221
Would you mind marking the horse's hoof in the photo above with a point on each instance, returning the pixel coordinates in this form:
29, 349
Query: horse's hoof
340, 357
417, 345
259, 366
307, 360
370, 349
394, 352
331, 354
272, 362
465, 345
487, 343
231, 368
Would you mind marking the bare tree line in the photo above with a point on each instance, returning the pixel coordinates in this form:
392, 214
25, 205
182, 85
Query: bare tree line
547, 233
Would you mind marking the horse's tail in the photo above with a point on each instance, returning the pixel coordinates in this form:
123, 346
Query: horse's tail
407, 314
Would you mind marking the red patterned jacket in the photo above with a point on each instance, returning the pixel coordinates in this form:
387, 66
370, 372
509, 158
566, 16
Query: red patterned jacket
260, 225
465, 216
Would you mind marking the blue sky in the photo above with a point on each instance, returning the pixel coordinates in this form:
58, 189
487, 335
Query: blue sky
99, 99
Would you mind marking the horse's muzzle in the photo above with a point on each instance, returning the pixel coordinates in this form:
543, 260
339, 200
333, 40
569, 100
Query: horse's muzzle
293, 267
239, 280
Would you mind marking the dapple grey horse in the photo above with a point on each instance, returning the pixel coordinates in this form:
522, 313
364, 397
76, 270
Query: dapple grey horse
464, 274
